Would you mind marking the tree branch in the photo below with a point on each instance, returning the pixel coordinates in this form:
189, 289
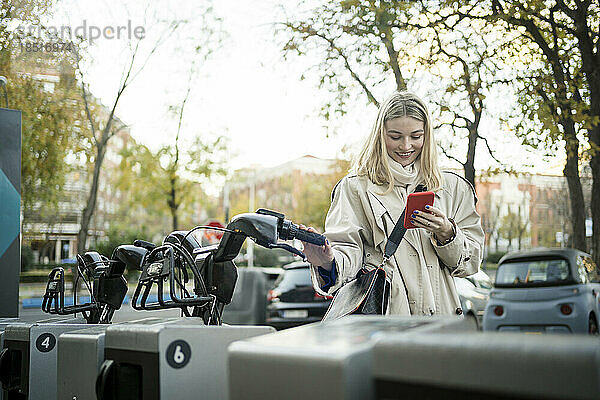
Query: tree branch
466, 120
393, 55
86, 104
308, 32
489, 149
450, 156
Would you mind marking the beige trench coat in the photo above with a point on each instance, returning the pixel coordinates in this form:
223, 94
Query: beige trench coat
359, 221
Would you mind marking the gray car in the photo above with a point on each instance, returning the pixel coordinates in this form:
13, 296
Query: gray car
545, 290
474, 293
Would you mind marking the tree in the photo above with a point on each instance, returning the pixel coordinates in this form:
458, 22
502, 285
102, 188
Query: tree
303, 198
51, 122
507, 228
205, 160
360, 42
141, 206
148, 182
469, 55
551, 93
496, 226
51, 126
314, 196
19, 12
103, 127
102, 124
175, 188
358, 45
522, 226
197, 164
566, 36
513, 226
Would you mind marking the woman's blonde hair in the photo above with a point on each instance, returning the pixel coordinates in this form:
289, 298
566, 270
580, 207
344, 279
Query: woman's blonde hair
373, 161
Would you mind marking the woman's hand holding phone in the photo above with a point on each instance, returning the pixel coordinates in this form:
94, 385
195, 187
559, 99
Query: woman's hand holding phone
435, 221
420, 213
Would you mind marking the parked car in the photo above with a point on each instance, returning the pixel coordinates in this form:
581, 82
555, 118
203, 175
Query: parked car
293, 301
271, 274
545, 290
474, 293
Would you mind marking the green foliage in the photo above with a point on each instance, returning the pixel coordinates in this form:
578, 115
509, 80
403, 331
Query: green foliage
558, 85
117, 235
360, 46
26, 258
14, 13
303, 198
314, 196
52, 131
51, 121
546, 236
146, 182
493, 258
514, 226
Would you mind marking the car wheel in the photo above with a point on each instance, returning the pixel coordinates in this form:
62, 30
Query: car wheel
593, 325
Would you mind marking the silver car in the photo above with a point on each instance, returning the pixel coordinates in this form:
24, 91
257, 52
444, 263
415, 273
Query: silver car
545, 290
474, 293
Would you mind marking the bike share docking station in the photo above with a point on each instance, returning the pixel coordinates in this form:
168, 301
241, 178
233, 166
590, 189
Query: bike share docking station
28, 361
332, 360
185, 359
4, 322
487, 365
154, 358
196, 356
80, 354
385, 358
28, 358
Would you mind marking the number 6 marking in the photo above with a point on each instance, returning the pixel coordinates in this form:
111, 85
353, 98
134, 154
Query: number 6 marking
178, 354
178, 357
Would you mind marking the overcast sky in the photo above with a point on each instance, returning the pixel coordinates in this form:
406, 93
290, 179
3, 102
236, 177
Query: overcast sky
245, 91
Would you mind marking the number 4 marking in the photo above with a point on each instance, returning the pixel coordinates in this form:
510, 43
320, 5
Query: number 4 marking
45, 342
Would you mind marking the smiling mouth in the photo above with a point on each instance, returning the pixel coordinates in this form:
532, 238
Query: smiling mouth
405, 155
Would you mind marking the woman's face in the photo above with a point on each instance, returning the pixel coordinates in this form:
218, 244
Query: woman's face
404, 138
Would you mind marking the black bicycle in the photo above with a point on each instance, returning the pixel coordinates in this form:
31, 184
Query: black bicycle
197, 279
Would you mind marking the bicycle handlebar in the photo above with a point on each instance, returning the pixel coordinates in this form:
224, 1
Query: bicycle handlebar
287, 230
291, 231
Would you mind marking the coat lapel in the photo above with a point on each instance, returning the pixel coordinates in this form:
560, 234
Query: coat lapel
381, 205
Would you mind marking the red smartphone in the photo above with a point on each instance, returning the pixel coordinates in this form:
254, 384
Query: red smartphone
416, 201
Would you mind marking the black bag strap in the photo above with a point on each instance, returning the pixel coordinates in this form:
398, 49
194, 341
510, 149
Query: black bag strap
398, 232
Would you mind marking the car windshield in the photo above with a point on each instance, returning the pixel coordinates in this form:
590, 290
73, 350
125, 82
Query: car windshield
294, 278
547, 272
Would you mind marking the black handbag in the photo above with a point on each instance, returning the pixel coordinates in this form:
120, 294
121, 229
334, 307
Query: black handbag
368, 292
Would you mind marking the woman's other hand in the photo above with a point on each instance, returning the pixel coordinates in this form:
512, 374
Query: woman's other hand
319, 256
435, 221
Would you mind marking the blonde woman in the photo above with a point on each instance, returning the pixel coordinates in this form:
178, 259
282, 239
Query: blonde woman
400, 154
